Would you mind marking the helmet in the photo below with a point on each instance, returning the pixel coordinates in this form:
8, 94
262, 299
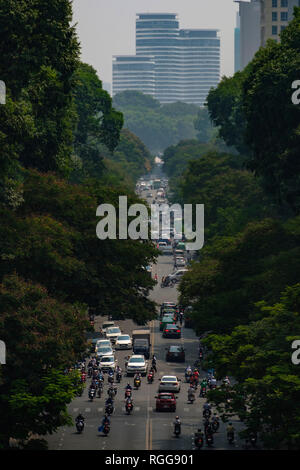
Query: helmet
177, 417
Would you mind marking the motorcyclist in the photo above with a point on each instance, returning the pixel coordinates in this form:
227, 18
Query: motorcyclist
230, 431
177, 423
191, 394
206, 409
198, 435
128, 388
213, 382
79, 418
154, 363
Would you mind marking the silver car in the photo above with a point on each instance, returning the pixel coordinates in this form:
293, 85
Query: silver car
169, 383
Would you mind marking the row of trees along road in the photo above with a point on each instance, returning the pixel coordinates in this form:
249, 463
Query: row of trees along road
63, 152
244, 287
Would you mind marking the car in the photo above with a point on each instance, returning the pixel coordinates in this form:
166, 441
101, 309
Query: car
107, 362
137, 363
101, 343
149, 195
169, 383
112, 333
167, 304
107, 324
165, 401
178, 274
105, 351
175, 353
166, 320
171, 331
165, 248
180, 262
123, 342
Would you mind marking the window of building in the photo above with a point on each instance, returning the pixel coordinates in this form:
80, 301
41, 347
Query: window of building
282, 28
284, 3
284, 16
274, 16
274, 30
274, 4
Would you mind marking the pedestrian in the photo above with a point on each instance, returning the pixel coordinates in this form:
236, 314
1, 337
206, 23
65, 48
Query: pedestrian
156, 277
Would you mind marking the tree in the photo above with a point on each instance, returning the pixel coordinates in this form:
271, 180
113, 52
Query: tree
272, 130
267, 391
34, 391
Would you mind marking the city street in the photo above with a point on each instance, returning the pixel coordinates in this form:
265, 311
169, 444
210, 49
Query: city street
144, 429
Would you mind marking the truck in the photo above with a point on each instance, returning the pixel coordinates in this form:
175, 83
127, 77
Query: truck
141, 342
141, 334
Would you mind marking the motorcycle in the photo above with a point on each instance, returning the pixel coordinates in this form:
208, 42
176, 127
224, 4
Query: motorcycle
150, 378
100, 389
119, 377
92, 394
112, 392
206, 413
109, 409
106, 428
137, 383
198, 442
191, 397
209, 440
253, 440
110, 379
177, 429
203, 392
128, 393
129, 407
230, 437
215, 425
80, 426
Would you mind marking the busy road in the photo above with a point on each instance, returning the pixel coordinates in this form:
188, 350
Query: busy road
145, 428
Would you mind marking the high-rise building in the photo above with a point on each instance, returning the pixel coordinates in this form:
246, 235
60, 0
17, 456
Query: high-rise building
183, 64
237, 44
275, 16
134, 73
157, 35
249, 13
199, 64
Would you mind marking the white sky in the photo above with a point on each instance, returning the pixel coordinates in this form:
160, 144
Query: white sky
107, 27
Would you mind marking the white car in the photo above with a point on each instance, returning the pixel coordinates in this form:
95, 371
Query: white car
104, 351
107, 362
137, 363
102, 343
169, 383
180, 262
178, 274
123, 342
112, 333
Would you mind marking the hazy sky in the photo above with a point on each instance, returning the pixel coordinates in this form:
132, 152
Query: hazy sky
107, 27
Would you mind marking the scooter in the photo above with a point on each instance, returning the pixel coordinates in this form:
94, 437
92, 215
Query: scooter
198, 442
91, 394
80, 426
209, 440
109, 409
129, 407
177, 429
106, 429
137, 383
150, 378
230, 437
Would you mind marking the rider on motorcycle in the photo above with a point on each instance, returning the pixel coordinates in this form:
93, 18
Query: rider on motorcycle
198, 435
191, 394
230, 431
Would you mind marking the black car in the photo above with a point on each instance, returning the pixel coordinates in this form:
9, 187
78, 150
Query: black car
171, 331
175, 353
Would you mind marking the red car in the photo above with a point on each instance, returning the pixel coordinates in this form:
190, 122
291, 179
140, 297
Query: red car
166, 401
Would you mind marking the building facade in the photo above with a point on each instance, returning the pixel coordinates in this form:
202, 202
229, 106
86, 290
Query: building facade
249, 14
185, 64
237, 44
134, 73
275, 16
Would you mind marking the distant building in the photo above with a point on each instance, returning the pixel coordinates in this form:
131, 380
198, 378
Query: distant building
199, 64
250, 35
275, 16
133, 73
170, 64
237, 44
